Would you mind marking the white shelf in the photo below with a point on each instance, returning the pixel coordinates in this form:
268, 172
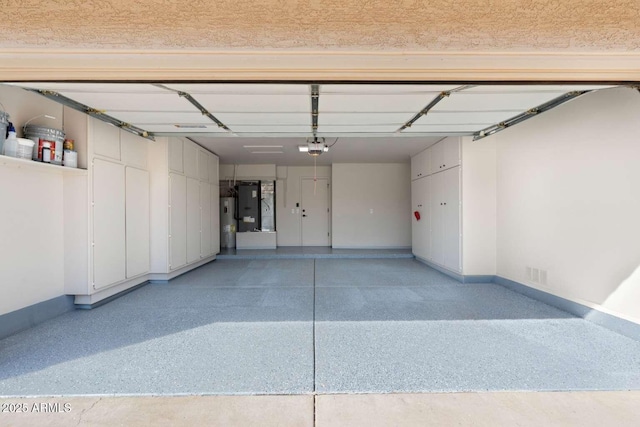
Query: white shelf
39, 166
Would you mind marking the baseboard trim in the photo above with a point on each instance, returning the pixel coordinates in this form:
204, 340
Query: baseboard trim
28, 317
164, 278
454, 275
89, 306
608, 321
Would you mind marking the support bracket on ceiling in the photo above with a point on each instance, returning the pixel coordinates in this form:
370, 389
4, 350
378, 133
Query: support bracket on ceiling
429, 106
98, 114
315, 98
528, 114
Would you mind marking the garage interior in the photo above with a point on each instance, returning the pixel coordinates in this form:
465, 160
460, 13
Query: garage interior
507, 294
529, 317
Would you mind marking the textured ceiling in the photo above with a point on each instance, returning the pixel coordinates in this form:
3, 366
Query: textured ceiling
329, 25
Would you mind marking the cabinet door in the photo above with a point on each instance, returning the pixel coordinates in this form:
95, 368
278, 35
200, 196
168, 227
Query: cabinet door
137, 221
215, 218
436, 207
437, 157
177, 221
190, 159
451, 218
420, 164
176, 155
450, 153
214, 169
105, 139
420, 228
108, 223
193, 220
203, 165
134, 149
205, 206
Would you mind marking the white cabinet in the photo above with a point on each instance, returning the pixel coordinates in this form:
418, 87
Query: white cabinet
176, 155
451, 218
193, 220
445, 155
206, 222
108, 237
215, 219
203, 165
420, 164
445, 218
105, 139
214, 171
177, 221
420, 227
436, 195
137, 221
185, 237
134, 150
190, 159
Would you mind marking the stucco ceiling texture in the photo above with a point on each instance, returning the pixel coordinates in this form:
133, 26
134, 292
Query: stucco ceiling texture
328, 25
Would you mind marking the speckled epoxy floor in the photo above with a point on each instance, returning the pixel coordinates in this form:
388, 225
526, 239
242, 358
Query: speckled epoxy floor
325, 325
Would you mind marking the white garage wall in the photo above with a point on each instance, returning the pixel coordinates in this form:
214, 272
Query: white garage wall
31, 216
568, 197
359, 189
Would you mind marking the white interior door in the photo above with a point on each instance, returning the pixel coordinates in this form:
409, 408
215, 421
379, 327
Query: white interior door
315, 212
137, 221
109, 246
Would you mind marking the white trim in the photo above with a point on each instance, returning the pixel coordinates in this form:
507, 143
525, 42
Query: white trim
154, 65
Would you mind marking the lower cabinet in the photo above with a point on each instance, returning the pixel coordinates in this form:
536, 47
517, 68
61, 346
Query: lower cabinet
120, 237
137, 221
193, 220
177, 221
420, 217
205, 219
436, 236
108, 237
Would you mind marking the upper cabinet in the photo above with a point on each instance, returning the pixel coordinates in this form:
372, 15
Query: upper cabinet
190, 154
445, 154
176, 158
203, 165
420, 164
134, 150
106, 139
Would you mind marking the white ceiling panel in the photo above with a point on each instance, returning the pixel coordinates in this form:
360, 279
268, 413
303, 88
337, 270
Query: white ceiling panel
462, 101
363, 118
374, 103
255, 103
358, 129
530, 88
443, 129
160, 117
487, 118
231, 119
139, 102
243, 88
158, 128
271, 129
384, 89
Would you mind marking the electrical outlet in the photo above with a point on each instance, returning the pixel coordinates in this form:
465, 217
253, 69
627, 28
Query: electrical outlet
371, 211
543, 277
535, 275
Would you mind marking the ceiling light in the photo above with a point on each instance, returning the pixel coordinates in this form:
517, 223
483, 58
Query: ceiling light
262, 146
